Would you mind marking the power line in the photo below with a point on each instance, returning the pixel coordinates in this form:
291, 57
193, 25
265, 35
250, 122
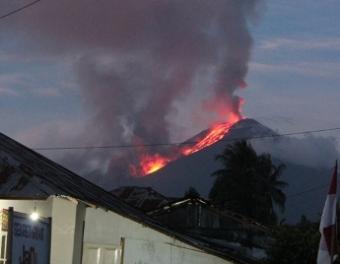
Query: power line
19, 9
121, 146
316, 188
184, 143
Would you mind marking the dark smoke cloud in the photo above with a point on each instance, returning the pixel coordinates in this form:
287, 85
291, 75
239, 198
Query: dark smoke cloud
135, 58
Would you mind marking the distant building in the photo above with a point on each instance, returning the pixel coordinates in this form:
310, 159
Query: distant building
51, 215
197, 217
143, 198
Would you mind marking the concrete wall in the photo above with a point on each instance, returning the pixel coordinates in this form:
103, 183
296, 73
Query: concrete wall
143, 245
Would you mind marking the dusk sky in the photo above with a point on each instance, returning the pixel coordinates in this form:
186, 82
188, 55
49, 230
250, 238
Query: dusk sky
292, 81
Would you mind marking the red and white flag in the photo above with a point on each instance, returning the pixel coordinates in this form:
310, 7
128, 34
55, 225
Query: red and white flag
327, 228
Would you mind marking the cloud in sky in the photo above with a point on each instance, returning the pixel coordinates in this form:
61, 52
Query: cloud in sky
314, 69
312, 151
46, 92
21, 84
300, 44
9, 83
7, 91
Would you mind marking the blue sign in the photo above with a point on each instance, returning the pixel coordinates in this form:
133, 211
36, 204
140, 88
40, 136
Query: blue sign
30, 240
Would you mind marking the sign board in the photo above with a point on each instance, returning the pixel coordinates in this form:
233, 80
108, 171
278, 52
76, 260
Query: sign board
4, 222
30, 240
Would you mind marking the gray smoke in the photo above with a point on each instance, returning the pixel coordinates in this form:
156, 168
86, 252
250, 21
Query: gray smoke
135, 58
310, 151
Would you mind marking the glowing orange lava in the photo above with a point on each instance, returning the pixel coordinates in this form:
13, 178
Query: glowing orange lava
152, 163
149, 164
214, 134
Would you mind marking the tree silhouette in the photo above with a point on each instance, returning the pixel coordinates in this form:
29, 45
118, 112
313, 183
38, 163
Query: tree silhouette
248, 183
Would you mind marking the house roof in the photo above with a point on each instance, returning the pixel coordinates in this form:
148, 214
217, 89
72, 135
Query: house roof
26, 174
183, 202
143, 198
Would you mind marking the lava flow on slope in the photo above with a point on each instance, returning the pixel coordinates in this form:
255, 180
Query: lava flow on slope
149, 163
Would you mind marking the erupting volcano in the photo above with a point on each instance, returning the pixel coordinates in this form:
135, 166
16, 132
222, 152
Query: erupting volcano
149, 163
198, 60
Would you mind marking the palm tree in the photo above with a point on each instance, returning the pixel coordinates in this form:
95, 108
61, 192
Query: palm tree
248, 183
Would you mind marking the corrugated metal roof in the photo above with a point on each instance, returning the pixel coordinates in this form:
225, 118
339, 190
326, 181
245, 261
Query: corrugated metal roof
25, 174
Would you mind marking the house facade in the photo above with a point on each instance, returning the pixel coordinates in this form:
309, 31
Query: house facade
84, 234
51, 215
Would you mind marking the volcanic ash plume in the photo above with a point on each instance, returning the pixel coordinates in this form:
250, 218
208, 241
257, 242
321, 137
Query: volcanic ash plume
136, 58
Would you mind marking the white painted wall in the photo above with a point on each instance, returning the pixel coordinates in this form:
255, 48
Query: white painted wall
63, 226
143, 245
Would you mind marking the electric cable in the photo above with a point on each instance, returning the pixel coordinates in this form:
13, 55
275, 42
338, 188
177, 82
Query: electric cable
19, 9
184, 143
316, 188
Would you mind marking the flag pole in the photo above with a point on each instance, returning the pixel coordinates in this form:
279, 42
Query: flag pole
327, 227
336, 219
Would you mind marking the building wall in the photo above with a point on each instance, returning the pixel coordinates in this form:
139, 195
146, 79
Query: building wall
104, 232
142, 245
63, 214
63, 231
